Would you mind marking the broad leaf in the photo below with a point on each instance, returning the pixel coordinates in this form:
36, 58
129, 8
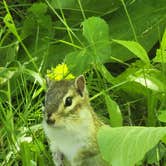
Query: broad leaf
141, 78
95, 29
150, 82
96, 32
78, 61
136, 49
150, 78
126, 146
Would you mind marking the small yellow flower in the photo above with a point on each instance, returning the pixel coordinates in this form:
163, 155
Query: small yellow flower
60, 72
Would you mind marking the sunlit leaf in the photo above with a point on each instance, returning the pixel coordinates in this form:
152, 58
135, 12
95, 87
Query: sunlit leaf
161, 52
150, 82
96, 32
10, 24
136, 49
126, 146
114, 112
95, 29
162, 116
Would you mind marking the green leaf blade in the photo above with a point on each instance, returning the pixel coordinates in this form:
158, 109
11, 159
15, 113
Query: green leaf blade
161, 52
116, 119
10, 24
135, 48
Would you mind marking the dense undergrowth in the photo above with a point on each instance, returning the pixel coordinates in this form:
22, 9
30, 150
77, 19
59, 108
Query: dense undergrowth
120, 47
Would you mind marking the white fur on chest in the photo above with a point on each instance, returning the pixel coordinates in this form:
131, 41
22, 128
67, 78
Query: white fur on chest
73, 137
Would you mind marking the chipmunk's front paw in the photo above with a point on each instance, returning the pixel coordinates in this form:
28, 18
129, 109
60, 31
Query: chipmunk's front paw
58, 158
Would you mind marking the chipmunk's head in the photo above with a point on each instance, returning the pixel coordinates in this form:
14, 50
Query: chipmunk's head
64, 99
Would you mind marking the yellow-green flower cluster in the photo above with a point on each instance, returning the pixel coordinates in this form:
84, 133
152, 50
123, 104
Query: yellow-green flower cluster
60, 72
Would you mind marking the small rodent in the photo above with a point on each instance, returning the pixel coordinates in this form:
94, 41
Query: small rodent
70, 124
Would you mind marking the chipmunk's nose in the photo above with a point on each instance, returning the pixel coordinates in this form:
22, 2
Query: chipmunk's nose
49, 119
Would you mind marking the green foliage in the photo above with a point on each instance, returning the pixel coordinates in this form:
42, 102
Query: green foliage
128, 145
146, 17
116, 119
115, 44
97, 46
10, 24
161, 53
162, 116
136, 49
96, 32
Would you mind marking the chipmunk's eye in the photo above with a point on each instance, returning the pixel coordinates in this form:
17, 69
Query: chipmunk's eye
68, 101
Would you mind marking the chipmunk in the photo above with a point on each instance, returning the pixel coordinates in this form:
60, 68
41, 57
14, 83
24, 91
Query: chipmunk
71, 125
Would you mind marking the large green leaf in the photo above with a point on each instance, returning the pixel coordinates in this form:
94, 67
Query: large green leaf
150, 82
136, 49
140, 79
96, 32
95, 29
126, 146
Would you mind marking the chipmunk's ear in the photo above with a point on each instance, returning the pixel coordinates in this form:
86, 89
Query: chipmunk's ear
80, 84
